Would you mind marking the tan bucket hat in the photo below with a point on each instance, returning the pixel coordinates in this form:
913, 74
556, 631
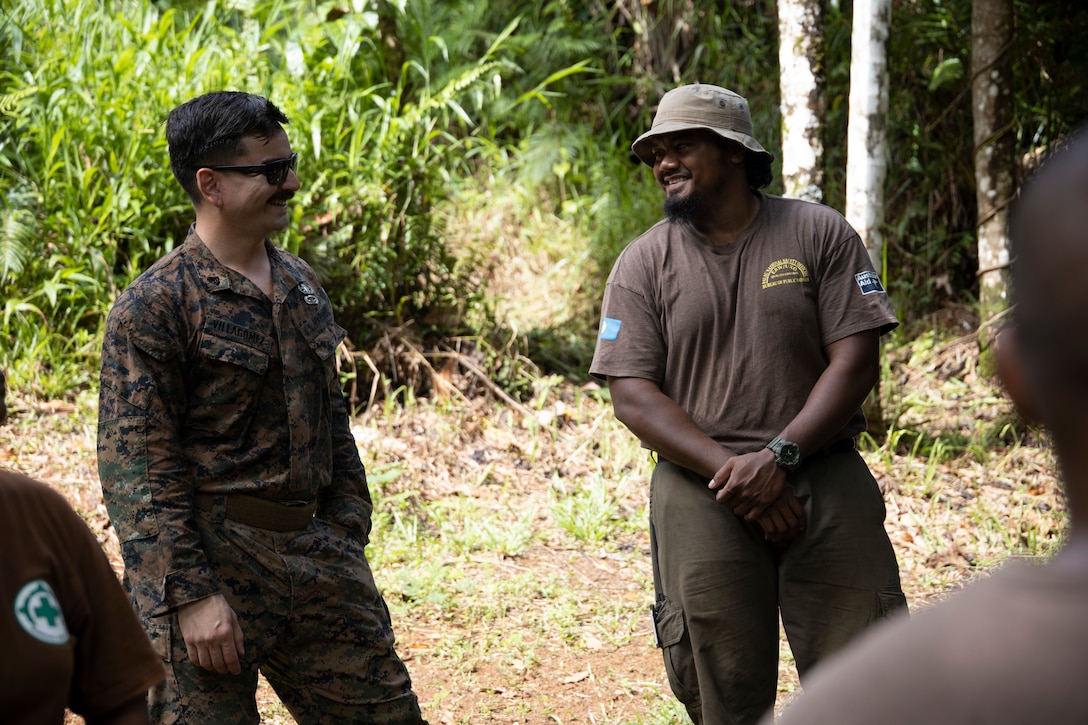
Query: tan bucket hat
701, 106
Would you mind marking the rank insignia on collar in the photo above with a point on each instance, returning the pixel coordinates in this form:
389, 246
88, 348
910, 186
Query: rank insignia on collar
308, 295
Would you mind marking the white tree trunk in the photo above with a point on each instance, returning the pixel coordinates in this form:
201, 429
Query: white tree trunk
991, 101
866, 142
800, 31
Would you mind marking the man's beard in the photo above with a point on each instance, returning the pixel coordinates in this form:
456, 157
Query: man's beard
686, 208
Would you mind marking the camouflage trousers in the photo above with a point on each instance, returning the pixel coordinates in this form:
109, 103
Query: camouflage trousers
314, 625
721, 587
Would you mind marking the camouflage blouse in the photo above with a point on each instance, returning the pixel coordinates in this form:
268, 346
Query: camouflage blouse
208, 385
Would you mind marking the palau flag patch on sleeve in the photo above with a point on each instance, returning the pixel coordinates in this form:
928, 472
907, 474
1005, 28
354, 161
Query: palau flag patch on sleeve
610, 329
868, 282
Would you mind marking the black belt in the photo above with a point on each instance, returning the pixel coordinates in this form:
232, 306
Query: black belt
261, 512
840, 446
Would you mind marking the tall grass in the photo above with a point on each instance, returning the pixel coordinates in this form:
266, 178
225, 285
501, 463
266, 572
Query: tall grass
88, 200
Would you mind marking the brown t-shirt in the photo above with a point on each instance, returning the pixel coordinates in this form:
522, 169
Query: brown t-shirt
735, 334
1009, 650
69, 637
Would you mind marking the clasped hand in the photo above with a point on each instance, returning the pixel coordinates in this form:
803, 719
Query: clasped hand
754, 486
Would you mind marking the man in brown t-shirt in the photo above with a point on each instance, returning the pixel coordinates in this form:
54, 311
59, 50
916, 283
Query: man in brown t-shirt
1013, 648
70, 638
739, 338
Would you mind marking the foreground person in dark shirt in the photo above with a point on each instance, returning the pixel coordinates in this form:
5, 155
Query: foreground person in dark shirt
70, 638
1012, 648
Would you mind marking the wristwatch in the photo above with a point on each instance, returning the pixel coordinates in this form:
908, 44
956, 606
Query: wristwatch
786, 453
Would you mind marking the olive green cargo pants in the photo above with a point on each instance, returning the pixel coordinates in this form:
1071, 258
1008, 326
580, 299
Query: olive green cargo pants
720, 585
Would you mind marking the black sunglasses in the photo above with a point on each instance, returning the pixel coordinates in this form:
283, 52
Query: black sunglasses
274, 171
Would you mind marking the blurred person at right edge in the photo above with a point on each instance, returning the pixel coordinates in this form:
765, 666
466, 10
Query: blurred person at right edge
1012, 648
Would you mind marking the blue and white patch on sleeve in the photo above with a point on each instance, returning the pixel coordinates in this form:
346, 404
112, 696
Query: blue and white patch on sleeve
610, 328
868, 282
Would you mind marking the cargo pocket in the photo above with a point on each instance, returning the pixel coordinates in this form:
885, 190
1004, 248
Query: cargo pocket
158, 632
670, 633
891, 602
668, 623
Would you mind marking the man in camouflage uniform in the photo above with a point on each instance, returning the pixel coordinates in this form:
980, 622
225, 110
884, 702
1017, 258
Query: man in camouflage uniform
225, 454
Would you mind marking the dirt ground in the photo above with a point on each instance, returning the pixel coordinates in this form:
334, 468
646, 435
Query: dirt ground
593, 673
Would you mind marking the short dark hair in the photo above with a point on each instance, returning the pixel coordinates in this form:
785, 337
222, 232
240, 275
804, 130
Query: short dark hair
758, 167
207, 131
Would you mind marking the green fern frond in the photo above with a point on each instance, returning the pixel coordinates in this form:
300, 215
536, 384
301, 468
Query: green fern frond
8, 101
16, 234
446, 97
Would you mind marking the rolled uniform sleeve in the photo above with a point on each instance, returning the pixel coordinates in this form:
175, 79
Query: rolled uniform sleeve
146, 480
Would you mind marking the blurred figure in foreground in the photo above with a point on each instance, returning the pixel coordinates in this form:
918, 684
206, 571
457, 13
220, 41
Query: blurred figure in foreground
70, 639
1014, 647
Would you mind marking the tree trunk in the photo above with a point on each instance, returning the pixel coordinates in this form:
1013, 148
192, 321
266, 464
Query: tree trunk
664, 38
992, 109
800, 60
867, 142
866, 148
392, 49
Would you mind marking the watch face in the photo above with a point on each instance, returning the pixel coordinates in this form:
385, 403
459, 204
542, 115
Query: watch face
786, 453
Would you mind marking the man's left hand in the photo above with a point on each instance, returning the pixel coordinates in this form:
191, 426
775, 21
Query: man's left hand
784, 519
